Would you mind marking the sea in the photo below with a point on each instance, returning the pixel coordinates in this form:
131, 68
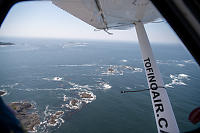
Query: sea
50, 73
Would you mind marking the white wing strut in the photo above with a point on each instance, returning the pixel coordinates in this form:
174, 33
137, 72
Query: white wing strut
165, 119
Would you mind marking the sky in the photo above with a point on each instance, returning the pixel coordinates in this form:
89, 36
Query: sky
45, 20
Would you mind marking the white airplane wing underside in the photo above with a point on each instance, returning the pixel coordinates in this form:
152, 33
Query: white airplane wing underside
110, 14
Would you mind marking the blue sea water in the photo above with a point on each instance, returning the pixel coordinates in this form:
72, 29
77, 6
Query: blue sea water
50, 73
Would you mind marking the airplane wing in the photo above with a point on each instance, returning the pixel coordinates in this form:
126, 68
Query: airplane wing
110, 14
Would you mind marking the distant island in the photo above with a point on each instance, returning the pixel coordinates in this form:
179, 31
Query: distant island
6, 43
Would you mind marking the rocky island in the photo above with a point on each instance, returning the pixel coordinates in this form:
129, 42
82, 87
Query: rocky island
111, 70
85, 95
6, 43
3, 92
74, 102
24, 111
54, 118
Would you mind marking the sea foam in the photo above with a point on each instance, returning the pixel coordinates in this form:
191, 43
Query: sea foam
177, 80
53, 79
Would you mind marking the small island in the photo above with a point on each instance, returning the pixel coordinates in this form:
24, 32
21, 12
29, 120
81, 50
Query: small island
85, 95
6, 43
74, 102
54, 118
57, 79
110, 70
3, 92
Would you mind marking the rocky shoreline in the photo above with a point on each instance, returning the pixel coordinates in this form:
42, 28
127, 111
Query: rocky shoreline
27, 114
24, 111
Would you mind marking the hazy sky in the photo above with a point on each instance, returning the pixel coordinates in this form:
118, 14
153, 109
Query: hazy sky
45, 20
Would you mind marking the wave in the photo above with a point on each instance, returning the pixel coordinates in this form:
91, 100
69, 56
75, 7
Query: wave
76, 65
128, 88
132, 69
53, 79
163, 62
79, 87
10, 85
65, 98
189, 61
75, 44
44, 89
137, 69
103, 86
180, 65
177, 80
120, 70
74, 87
105, 70
124, 60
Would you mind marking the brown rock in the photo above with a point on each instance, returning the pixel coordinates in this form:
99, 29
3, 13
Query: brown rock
2, 92
58, 113
74, 102
55, 116
85, 95
23, 113
110, 70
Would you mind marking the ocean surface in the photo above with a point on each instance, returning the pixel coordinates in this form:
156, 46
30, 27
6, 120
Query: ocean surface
50, 73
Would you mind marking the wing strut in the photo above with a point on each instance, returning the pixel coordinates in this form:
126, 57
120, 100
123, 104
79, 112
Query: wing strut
164, 115
101, 12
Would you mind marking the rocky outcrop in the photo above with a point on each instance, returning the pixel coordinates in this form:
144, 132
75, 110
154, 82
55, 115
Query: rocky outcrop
54, 118
86, 95
111, 70
2, 92
6, 43
24, 112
